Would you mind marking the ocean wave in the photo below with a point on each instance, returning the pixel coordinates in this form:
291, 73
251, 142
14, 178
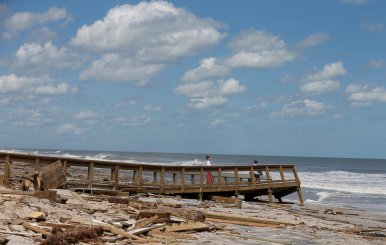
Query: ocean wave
359, 183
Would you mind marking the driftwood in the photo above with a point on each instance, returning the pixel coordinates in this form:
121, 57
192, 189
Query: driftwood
172, 234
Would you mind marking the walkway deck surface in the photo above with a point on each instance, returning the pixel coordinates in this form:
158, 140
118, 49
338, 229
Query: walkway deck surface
277, 180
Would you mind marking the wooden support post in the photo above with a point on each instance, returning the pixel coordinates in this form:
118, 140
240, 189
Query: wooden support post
174, 178
37, 164
219, 179
183, 179
7, 158
270, 195
162, 180
300, 196
90, 175
116, 177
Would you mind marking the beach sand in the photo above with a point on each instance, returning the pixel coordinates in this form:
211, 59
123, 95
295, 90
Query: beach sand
311, 224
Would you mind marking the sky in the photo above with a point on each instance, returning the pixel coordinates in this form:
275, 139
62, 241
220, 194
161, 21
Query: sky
281, 78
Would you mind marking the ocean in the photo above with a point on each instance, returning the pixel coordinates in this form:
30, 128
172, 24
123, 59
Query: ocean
340, 182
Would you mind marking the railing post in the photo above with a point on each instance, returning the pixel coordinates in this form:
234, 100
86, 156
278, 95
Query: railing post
90, 174
282, 174
162, 180
201, 183
237, 179
253, 178
182, 179
65, 171
139, 179
219, 179
116, 177
192, 179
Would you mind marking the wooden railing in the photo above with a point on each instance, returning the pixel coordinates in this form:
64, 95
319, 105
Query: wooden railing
276, 181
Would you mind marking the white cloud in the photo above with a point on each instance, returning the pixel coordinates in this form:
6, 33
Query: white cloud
85, 115
258, 49
206, 102
209, 93
321, 81
319, 87
70, 128
126, 103
209, 68
258, 107
301, 108
152, 108
216, 123
134, 122
329, 71
62, 88
354, 2
25, 20
373, 27
366, 93
114, 67
149, 31
89, 117
314, 39
39, 85
34, 56
12, 83
377, 64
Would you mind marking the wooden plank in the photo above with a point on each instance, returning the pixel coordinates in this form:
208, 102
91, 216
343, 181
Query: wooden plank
239, 222
36, 229
190, 226
84, 202
53, 176
229, 216
172, 234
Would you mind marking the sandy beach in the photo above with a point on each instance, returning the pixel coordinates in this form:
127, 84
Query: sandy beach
309, 224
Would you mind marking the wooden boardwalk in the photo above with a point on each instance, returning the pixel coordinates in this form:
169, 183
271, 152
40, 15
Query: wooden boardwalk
277, 180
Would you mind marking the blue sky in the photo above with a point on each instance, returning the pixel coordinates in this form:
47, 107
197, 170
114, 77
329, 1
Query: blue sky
297, 78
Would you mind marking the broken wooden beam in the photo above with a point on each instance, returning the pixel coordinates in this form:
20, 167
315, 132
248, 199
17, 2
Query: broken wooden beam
228, 216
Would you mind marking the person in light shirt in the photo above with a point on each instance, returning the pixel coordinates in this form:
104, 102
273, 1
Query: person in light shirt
207, 161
